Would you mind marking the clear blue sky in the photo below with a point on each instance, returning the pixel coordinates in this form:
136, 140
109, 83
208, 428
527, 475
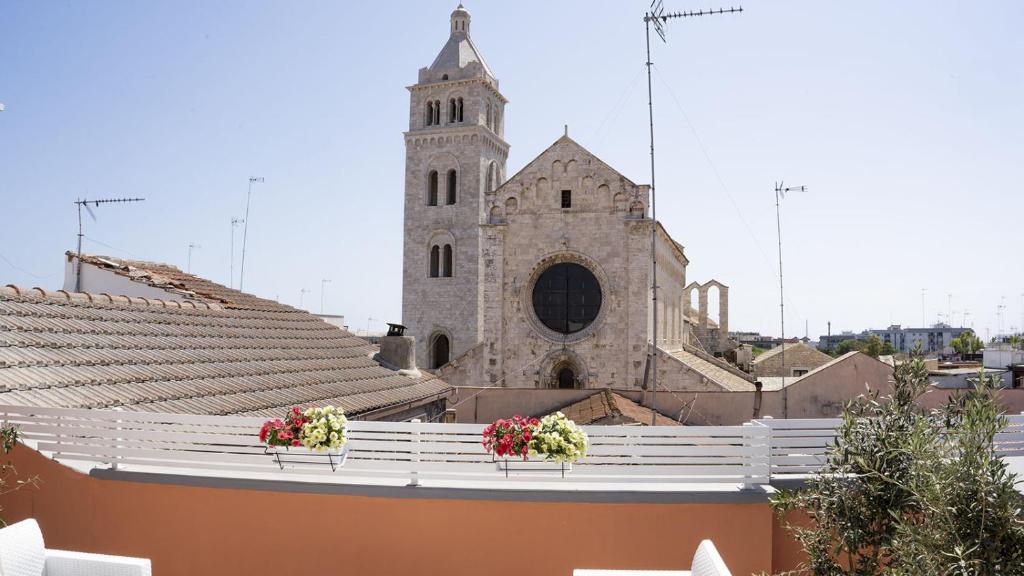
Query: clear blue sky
905, 119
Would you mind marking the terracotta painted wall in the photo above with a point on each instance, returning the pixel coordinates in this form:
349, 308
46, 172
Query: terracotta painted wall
199, 530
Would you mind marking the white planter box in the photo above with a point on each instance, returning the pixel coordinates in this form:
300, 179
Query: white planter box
300, 456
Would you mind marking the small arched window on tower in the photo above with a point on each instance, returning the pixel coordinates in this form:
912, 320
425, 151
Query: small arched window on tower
451, 110
430, 114
458, 106
452, 185
489, 115
447, 270
492, 177
435, 261
439, 351
497, 120
437, 112
432, 188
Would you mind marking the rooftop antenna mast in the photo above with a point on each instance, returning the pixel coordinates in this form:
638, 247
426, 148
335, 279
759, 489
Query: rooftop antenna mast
234, 224
302, 295
780, 192
191, 246
245, 228
657, 17
84, 203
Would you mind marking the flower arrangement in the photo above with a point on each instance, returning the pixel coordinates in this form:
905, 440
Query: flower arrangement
510, 437
555, 437
318, 429
559, 439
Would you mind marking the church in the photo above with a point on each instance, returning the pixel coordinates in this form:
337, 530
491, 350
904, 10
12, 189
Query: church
541, 279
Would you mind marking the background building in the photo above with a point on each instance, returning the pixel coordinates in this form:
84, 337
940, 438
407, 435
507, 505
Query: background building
935, 339
541, 281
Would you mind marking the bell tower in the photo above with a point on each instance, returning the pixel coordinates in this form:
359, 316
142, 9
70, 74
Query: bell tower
455, 156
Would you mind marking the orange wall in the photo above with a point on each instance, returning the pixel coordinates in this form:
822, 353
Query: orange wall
198, 530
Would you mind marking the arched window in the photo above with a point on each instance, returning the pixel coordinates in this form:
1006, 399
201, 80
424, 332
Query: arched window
489, 115
497, 120
435, 261
451, 110
430, 113
458, 105
452, 185
492, 178
439, 351
447, 269
437, 112
432, 188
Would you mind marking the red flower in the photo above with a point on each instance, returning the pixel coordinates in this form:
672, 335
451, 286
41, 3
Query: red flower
296, 443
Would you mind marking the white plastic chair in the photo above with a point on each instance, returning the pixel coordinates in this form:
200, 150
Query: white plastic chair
706, 562
22, 553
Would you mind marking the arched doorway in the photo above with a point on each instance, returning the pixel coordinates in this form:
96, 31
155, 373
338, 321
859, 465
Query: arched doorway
565, 378
439, 350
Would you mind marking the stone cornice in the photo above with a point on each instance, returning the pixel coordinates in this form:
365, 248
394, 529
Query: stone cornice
470, 129
453, 83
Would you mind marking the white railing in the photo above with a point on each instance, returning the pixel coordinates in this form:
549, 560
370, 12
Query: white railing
751, 454
798, 446
407, 451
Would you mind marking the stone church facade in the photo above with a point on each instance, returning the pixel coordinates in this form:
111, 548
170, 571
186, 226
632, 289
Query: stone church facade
543, 280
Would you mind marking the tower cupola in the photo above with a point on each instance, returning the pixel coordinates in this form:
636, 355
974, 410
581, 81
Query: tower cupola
460, 21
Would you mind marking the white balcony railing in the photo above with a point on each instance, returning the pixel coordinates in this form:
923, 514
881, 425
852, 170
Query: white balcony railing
798, 446
409, 452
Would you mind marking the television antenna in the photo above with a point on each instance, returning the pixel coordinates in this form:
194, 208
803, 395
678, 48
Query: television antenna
191, 246
780, 193
302, 295
657, 17
84, 203
245, 229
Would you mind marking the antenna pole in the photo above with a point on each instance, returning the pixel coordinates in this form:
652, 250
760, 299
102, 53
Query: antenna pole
245, 229
78, 260
780, 192
191, 246
658, 17
323, 283
782, 302
234, 223
654, 237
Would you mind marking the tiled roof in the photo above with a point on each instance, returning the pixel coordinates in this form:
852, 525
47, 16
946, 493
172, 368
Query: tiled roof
777, 350
607, 407
180, 285
223, 352
715, 371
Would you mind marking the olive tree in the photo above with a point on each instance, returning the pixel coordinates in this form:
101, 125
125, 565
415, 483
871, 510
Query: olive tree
908, 491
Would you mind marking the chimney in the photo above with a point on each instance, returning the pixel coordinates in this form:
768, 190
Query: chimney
397, 350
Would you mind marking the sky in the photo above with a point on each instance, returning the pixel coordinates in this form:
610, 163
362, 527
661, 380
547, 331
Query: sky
905, 120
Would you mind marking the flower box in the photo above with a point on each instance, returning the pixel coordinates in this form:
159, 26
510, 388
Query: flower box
518, 465
300, 456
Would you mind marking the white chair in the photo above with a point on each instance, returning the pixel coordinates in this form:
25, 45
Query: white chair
706, 562
22, 553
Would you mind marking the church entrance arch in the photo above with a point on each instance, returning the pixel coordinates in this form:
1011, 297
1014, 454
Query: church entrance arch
565, 379
562, 369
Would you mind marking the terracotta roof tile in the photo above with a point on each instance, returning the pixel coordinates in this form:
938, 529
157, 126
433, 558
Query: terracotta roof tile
607, 407
232, 353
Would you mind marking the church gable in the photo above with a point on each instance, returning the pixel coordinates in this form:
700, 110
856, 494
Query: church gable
567, 177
